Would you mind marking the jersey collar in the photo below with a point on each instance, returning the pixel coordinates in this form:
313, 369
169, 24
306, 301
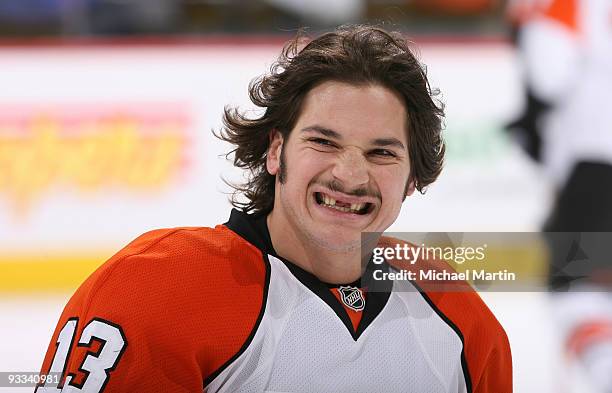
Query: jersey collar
254, 229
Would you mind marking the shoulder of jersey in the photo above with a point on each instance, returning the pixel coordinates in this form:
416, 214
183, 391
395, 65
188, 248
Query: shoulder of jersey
172, 293
181, 260
486, 350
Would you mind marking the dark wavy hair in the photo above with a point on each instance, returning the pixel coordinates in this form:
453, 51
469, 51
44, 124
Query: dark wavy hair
355, 54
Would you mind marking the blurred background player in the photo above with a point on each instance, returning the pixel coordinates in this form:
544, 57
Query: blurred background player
526, 129
566, 49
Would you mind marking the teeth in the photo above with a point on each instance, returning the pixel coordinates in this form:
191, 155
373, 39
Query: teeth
331, 202
328, 200
357, 206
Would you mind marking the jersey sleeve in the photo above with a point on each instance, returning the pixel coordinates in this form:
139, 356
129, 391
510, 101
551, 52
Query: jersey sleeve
487, 358
497, 373
162, 315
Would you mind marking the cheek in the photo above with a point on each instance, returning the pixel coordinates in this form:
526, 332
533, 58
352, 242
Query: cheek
309, 164
392, 185
302, 168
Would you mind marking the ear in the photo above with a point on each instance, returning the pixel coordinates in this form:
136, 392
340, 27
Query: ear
410, 187
274, 152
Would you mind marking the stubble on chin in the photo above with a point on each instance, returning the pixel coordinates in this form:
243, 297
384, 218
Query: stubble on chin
337, 247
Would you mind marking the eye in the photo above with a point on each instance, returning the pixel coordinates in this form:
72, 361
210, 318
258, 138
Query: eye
322, 142
383, 153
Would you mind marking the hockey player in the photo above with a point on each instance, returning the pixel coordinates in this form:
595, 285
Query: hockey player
277, 299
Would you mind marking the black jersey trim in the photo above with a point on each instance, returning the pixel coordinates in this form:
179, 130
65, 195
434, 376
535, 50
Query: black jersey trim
264, 302
254, 229
455, 328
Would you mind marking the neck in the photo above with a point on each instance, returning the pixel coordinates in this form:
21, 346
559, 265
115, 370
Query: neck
329, 266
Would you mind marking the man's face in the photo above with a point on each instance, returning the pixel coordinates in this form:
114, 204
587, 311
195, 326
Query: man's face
345, 164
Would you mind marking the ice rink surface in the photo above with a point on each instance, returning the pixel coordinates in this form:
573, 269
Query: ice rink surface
28, 323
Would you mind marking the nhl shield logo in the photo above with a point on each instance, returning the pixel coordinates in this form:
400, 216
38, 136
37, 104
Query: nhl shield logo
352, 297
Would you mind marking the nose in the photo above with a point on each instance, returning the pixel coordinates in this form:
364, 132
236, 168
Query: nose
351, 167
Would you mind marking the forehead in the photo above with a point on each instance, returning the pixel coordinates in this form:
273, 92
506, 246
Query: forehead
354, 111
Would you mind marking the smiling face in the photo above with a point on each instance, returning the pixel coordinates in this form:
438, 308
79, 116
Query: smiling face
345, 163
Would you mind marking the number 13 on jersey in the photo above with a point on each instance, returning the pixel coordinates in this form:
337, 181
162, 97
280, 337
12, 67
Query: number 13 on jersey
97, 365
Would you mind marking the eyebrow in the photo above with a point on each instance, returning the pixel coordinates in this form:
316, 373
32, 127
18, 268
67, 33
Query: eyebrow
381, 142
384, 142
324, 131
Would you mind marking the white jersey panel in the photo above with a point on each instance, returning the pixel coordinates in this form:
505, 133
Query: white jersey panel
301, 345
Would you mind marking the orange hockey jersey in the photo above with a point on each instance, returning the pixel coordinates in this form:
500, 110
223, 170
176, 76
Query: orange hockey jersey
216, 310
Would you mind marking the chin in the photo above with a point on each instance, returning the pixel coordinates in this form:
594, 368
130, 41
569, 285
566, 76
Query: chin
336, 243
